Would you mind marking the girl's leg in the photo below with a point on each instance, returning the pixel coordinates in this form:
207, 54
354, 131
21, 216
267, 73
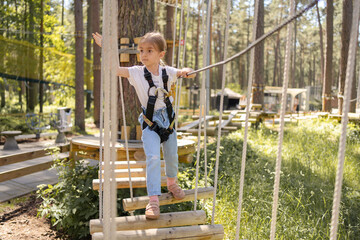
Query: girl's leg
151, 143
171, 157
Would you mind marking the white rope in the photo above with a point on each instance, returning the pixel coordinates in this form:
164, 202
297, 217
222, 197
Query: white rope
178, 90
282, 122
248, 101
126, 139
101, 167
344, 120
223, 80
202, 117
182, 65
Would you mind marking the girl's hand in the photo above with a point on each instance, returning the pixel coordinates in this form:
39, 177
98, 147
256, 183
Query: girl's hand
184, 71
98, 38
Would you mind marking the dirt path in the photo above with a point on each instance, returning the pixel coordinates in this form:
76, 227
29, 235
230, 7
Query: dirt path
18, 221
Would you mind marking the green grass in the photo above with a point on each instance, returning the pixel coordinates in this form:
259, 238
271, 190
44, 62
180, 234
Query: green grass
309, 160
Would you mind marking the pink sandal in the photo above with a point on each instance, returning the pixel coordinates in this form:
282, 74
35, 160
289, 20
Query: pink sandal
152, 210
176, 191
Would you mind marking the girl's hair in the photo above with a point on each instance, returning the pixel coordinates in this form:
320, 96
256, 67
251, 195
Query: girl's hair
155, 38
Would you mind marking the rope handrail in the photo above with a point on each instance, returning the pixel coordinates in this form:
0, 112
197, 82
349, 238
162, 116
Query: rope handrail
259, 40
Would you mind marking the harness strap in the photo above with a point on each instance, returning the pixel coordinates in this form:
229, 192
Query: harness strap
148, 78
162, 132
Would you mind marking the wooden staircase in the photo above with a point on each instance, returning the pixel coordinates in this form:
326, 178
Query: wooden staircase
174, 225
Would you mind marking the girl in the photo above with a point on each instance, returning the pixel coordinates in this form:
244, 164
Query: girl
150, 83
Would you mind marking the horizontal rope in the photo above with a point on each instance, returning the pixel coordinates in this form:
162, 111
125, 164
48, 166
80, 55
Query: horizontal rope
258, 41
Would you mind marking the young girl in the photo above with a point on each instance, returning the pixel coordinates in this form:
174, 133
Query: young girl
149, 81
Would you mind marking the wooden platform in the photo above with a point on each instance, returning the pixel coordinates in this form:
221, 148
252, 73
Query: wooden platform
167, 198
88, 147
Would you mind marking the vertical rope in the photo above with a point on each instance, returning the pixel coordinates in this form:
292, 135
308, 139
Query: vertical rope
101, 167
248, 102
344, 121
178, 95
178, 90
126, 139
114, 122
282, 122
105, 77
223, 80
202, 117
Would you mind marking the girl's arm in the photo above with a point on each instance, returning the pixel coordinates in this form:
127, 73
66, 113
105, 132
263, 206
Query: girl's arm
184, 71
121, 71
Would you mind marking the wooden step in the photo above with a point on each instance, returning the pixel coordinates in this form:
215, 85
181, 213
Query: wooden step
133, 164
167, 198
200, 232
30, 166
137, 182
135, 172
139, 222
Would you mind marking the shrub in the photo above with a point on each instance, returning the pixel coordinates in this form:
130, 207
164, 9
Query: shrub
72, 202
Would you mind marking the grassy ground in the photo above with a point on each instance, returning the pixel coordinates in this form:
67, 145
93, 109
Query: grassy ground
309, 162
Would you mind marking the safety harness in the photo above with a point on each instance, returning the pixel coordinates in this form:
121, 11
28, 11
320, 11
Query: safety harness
162, 132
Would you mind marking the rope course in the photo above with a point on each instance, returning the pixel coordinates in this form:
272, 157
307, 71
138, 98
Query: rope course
109, 63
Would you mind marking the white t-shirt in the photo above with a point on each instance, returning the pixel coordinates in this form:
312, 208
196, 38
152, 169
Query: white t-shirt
141, 86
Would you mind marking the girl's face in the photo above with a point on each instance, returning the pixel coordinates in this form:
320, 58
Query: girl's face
149, 54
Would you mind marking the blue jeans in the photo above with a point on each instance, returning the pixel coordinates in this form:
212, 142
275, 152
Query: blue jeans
151, 144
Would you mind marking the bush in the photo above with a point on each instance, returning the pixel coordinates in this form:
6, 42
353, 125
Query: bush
71, 203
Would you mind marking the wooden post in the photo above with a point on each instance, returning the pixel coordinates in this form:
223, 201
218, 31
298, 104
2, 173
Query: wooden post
124, 57
136, 41
138, 132
123, 131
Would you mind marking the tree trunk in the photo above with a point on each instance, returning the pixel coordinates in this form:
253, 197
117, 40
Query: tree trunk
275, 59
328, 57
79, 63
135, 18
293, 72
88, 54
33, 87
258, 90
321, 45
169, 33
345, 41
96, 61
41, 69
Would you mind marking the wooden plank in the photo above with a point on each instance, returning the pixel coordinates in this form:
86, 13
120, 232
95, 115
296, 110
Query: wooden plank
137, 182
139, 222
20, 157
227, 121
194, 124
167, 198
200, 232
135, 172
23, 171
133, 164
